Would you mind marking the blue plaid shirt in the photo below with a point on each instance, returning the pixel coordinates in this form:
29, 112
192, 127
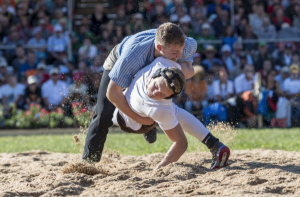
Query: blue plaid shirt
137, 51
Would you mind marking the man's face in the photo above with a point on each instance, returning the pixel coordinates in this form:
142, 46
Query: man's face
237, 51
267, 65
205, 32
157, 88
20, 52
249, 72
210, 54
12, 81
172, 52
262, 49
54, 77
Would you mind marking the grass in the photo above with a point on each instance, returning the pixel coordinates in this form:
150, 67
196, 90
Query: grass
276, 139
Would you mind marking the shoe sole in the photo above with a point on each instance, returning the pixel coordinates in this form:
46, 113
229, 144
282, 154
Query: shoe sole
222, 157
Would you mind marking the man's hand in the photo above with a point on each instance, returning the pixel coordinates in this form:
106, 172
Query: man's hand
116, 97
187, 69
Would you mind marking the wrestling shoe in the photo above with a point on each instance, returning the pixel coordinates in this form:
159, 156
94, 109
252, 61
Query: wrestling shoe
220, 155
150, 137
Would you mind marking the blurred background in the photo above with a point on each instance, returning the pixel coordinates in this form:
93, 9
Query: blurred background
246, 63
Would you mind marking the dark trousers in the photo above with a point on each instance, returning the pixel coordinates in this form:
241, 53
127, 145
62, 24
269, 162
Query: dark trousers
101, 121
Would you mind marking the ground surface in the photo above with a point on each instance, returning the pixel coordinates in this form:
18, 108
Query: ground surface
252, 172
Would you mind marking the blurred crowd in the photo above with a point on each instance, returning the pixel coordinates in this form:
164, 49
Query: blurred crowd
225, 66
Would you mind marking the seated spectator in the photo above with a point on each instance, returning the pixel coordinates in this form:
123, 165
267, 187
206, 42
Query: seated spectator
200, 8
78, 38
205, 36
250, 109
241, 27
42, 74
209, 98
211, 7
210, 53
220, 23
256, 19
58, 4
287, 32
33, 93
12, 95
283, 75
285, 57
20, 58
54, 91
121, 20
85, 71
266, 30
273, 87
24, 29
98, 19
226, 57
238, 52
261, 56
185, 24
279, 19
267, 67
245, 81
197, 59
138, 24
296, 20
88, 51
38, 43
292, 93
238, 68
45, 28
58, 14
292, 10
97, 65
228, 37
249, 35
13, 40
3, 72
180, 13
157, 10
30, 66
57, 45
195, 90
78, 90
223, 88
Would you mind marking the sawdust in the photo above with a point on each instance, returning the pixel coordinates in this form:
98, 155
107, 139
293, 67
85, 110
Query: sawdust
251, 173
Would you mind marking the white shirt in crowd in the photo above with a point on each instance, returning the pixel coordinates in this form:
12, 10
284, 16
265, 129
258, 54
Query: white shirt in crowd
162, 111
241, 84
55, 44
90, 51
54, 93
12, 93
291, 86
81, 90
223, 89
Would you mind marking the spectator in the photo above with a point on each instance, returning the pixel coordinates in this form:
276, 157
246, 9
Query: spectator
138, 24
256, 19
174, 6
14, 40
279, 19
12, 94
79, 36
290, 11
59, 4
212, 6
54, 91
283, 75
267, 67
58, 14
78, 90
285, 57
57, 45
46, 29
245, 81
220, 23
33, 93
241, 12
38, 43
295, 59
226, 57
210, 53
195, 90
266, 30
239, 68
296, 17
185, 24
205, 36
30, 66
93, 88
85, 71
42, 74
287, 32
24, 29
292, 92
97, 65
261, 56
179, 14
250, 109
157, 11
238, 51
122, 19
88, 51
200, 8
209, 98
249, 35
20, 59
223, 88
3, 72
228, 37
197, 58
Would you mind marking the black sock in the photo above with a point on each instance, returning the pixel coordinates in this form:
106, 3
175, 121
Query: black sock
209, 140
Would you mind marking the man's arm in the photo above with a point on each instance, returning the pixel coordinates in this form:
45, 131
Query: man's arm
180, 144
187, 69
116, 97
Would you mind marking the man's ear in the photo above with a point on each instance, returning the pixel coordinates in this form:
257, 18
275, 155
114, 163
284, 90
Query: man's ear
158, 47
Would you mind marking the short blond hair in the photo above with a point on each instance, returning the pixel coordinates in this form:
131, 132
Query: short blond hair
169, 34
